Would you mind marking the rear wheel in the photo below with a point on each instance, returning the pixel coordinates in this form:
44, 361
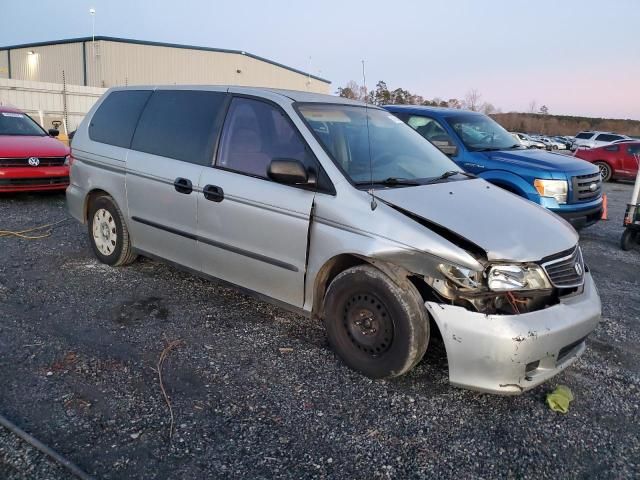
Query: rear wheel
374, 325
108, 233
605, 171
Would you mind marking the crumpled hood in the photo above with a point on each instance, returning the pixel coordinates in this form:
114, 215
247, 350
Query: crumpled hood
533, 158
504, 225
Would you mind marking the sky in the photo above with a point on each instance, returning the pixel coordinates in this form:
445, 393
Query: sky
576, 57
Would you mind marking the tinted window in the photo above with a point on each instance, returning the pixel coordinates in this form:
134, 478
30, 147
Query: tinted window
254, 134
180, 124
584, 135
605, 137
115, 120
612, 148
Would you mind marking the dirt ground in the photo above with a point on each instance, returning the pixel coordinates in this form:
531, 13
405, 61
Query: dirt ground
257, 393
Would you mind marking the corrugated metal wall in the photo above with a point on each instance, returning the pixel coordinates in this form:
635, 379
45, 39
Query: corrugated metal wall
46, 63
4, 64
121, 63
44, 102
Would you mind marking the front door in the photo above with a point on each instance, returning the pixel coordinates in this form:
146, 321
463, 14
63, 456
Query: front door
252, 231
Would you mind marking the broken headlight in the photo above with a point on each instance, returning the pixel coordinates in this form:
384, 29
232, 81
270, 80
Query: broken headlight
462, 277
502, 278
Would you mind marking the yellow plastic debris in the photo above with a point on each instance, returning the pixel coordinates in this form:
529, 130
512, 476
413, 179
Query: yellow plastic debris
559, 399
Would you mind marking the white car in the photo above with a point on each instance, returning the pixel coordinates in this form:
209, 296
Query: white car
552, 144
527, 141
590, 139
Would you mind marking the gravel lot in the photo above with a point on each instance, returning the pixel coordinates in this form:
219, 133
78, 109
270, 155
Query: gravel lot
79, 343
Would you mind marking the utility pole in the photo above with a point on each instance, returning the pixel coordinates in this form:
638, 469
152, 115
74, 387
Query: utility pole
92, 12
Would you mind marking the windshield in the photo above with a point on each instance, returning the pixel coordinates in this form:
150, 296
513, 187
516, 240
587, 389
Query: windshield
14, 123
389, 150
479, 132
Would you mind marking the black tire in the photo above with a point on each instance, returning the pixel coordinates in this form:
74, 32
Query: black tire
112, 243
627, 240
377, 327
605, 171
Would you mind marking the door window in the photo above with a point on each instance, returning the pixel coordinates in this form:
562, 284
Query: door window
254, 134
605, 137
584, 135
634, 149
434, 132
181, 124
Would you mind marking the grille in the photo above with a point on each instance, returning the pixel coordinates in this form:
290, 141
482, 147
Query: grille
581, 187
566, 272
35, 181
24, 162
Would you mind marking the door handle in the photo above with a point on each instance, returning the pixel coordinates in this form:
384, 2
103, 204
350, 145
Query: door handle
183, 185
213, 193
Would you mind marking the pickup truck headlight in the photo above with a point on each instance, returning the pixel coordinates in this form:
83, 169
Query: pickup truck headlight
552, 188
502, 278
462, 277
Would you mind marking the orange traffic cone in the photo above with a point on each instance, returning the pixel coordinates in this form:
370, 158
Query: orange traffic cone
605, 209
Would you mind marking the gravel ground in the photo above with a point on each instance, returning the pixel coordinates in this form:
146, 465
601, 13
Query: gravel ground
257, 393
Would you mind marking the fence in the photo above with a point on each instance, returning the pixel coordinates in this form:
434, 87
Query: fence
52, 105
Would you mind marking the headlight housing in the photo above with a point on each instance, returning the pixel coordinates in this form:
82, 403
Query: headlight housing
462, 277
504, 278
552, 188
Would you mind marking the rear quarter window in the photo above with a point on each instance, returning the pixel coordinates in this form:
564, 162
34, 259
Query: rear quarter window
605, 137
181, 124
115, 119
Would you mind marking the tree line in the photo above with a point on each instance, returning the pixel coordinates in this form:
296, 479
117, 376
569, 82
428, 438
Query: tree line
382, 95
535, 120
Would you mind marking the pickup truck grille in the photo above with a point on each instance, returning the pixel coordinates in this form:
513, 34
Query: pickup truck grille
24, 162
566, 272
586, 187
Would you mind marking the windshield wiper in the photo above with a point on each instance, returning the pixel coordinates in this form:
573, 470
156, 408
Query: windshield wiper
390, 181
450, 173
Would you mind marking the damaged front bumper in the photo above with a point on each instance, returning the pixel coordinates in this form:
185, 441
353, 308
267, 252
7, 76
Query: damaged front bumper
508, 354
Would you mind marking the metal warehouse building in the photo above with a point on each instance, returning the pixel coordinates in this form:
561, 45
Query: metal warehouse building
108, 62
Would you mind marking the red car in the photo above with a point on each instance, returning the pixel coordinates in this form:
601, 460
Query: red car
30, 158
616, 160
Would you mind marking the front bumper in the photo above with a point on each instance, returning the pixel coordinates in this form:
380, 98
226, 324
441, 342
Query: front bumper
508, 354
21, 179
582, 218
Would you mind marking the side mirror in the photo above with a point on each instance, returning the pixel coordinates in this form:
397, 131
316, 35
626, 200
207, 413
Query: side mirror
53, 132
289, 172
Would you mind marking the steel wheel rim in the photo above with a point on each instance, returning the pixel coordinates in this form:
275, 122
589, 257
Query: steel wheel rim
367, 324
105, 233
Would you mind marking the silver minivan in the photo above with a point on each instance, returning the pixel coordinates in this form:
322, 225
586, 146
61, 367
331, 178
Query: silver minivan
339, 211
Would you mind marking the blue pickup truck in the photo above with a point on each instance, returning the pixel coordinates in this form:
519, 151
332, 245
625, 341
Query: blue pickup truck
567, 186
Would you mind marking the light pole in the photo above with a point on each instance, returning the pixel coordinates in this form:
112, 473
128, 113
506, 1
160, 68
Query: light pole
92, 12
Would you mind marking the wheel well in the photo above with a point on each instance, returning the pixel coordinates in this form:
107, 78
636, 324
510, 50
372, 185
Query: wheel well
506, 187
327, 273
91, 196
340, 263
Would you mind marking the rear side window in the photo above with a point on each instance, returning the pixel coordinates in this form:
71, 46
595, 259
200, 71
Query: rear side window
115, 119
612, 148
181, 124
255, 133
584, 135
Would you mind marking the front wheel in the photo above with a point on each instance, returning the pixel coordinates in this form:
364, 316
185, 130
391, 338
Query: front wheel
628, 237
374, 325
108, 233
605, 171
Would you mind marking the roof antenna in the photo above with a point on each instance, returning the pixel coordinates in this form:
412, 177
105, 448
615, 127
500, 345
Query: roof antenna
374, 204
